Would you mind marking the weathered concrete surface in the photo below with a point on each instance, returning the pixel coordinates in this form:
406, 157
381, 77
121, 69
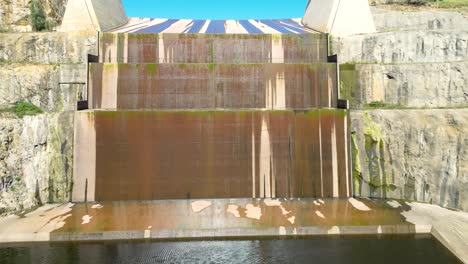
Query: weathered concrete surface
35, 160
15, 15
339, 18
231, 218
403, 47
99, 15
417, 155
84, 158
390, 20
448, 226
213, 48
51, 87
433, 85
45, 48
211, 86
146, 155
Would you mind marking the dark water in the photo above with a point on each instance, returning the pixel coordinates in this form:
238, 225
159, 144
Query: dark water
353, 249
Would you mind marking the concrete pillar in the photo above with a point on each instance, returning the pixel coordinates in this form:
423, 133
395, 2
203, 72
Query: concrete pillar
99, 15
339, 17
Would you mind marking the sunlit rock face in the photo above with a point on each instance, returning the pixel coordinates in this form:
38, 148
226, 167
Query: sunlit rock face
15, 15
44, 70
417, 155
416, 60
35, 160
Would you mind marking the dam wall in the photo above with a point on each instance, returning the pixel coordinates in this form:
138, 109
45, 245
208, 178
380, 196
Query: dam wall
150, 155
211, 116
212, 48
210, 86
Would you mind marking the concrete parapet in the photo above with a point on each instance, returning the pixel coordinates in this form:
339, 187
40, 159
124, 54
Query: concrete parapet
212, 48
202, 86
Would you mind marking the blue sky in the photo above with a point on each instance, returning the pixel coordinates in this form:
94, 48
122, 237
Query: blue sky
215, 9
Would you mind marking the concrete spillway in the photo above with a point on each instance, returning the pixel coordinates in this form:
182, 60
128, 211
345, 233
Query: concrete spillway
146, 155
211, 116
213, 48
212, 86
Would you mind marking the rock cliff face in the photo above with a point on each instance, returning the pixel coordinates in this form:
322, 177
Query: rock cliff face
417, 60
51, 87
15, 14
407, 85
389, 20
47, 48
404, 47
35, 160
417, 155
36, 152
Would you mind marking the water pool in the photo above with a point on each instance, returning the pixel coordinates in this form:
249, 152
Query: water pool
346, 249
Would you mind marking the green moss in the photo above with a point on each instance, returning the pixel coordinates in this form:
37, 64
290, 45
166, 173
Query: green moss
152, 68
371, 129
375, 150
22, 109
348, 67
334, 112
106, 66
381, 105
211, 66
313, 67
356, 161
276, 37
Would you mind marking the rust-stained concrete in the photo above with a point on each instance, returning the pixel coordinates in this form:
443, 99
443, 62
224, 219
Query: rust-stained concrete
229, 218
211, 86
146, 155
213, 48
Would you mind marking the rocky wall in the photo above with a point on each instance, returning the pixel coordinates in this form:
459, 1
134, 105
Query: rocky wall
424, 46
36, 160
433, 85
47, 48
51, 87
418, 60
417, 155
49, 71
391, 20
15, 15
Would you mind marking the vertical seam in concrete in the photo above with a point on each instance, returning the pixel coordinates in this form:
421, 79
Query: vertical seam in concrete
253, 160
345, 125
321, 149
161, 49
125, 49
334, 161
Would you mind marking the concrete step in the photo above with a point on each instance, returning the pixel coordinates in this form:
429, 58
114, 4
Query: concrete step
213, 48
202, 86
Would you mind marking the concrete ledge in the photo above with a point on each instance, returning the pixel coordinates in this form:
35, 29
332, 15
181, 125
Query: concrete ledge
237, 219
226, 233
